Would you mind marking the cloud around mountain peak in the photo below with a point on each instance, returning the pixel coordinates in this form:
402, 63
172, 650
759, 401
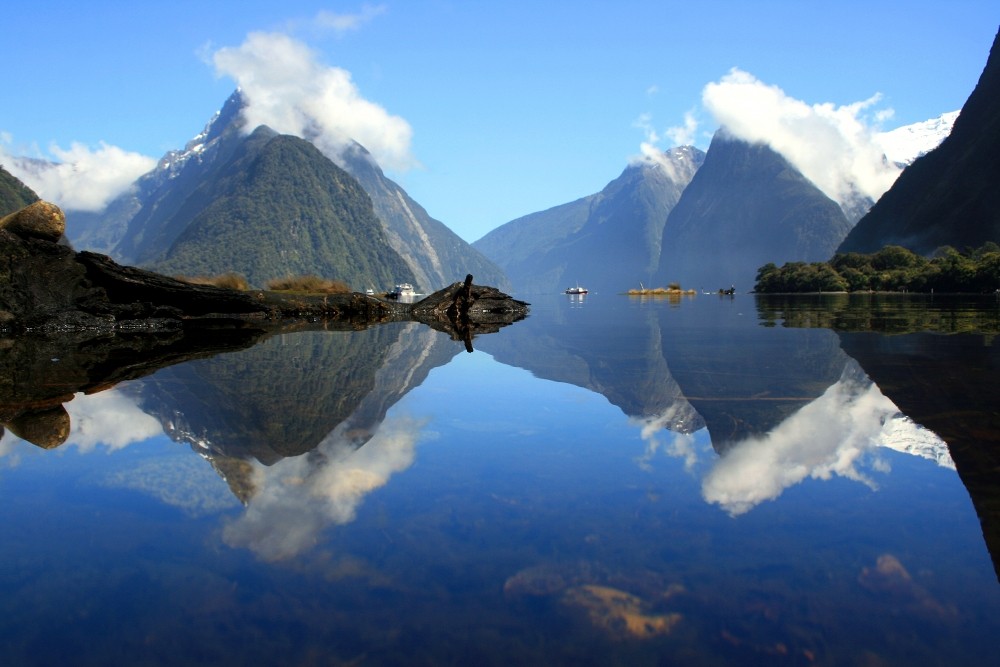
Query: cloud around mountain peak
288, 89
833, 146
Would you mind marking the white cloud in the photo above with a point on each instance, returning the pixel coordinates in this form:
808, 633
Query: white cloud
833, 146
342, 23
684, 135
78, 178
287, 89
830, 436
298, 498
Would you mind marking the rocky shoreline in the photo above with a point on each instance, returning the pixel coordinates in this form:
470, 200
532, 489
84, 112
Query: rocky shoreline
46, 287
79, 322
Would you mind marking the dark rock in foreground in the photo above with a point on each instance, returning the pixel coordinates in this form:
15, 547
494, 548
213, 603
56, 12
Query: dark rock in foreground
46, 287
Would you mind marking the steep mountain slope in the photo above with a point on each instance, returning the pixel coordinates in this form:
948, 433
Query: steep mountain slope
121, 229
609, 241
518, 245
745, 207
14, 195
139, 226
949, 196
277, 207
436, 255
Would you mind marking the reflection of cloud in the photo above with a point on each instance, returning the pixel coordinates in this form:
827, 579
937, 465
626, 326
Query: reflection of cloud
10, 449
828, 437
109, 418
185, 482
299, 497
681, 445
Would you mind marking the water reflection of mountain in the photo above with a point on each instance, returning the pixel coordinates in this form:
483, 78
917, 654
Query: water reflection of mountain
284, 396
935, 358
702, 363
616, 354
742, 378
948, 384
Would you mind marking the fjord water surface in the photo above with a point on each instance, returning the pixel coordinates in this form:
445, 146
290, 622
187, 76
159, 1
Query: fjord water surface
611, 481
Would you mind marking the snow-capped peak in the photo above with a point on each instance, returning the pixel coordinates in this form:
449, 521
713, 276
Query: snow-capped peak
905, 144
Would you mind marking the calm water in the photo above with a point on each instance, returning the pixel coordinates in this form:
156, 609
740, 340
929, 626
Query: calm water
611, 481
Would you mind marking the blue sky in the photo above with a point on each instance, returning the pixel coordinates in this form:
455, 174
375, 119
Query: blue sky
483, 112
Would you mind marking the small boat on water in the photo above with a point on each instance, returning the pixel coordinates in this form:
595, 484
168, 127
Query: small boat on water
576, 290
401, 291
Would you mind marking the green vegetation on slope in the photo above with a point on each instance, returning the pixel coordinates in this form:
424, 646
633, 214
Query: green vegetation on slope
281, 208
892, 269
14, 195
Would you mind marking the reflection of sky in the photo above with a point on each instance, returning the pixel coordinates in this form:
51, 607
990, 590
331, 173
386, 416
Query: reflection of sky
108, 419
835, 435
299, 497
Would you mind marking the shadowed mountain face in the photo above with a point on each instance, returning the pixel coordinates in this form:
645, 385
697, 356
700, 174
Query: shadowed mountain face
608, 242
949, 196
745, 207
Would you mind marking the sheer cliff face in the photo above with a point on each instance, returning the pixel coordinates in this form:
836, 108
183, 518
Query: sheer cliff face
745, 207
949, 196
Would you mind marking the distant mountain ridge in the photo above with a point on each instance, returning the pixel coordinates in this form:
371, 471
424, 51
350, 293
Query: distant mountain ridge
950, 195
610, 241
702, 232
745, 207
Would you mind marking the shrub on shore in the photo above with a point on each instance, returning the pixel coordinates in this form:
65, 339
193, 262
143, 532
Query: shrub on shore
227, 280
308, 284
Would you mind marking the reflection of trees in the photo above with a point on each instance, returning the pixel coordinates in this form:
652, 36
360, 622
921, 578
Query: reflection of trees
39, 373
885, 313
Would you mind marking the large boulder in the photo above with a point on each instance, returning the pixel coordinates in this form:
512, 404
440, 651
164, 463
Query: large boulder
41, 220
